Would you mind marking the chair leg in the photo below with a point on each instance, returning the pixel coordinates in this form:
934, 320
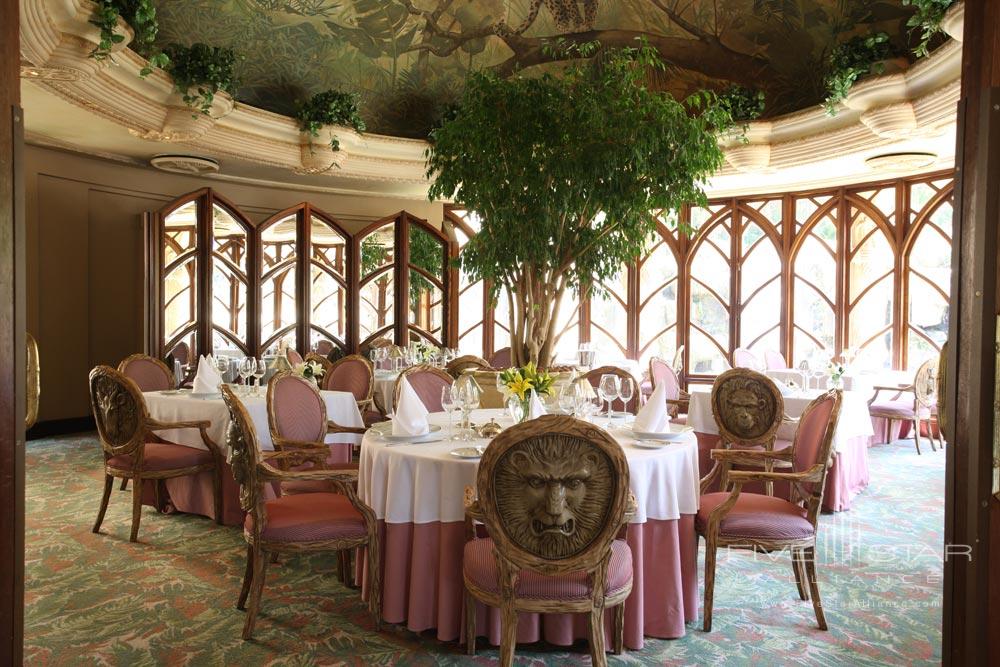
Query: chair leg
800, 575
136, 508
888, 431
709, 582
930, 434
619, 629
109, 482
508, 633
124, 485
241, 604
810, 558
375, 582
470, 624
595, 628
256, 588
916, 434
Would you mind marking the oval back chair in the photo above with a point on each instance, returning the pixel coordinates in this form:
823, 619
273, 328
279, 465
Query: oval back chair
744, 358
32, 382
133, 451
501, 359
632, 405
427, 381
355, 374
149, 373
294, 524
553, 494
774, 360
660, 372
324, 363
324, 347
916, 410
456, 366
293, 357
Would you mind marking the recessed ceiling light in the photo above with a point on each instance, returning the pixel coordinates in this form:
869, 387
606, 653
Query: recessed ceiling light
902, 161
192, 165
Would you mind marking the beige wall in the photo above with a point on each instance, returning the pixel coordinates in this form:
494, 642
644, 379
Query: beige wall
84, 256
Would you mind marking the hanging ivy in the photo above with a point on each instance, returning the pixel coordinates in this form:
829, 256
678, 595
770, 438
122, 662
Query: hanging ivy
852, 60
331, 107
200, 72
141, 16
927, 21
744, 104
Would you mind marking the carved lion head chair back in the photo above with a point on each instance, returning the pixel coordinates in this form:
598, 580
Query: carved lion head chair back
925, 384
244, 450
119, 411
553, 492
747, 407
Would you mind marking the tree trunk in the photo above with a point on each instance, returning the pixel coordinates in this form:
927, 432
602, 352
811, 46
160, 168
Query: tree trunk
533, 316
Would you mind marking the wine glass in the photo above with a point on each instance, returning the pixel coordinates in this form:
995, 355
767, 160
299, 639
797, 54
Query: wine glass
469, 401
515, 408
608, 389
246, 368
373, 355
567, 398
259, 371
448, 403
222, 365
626, 391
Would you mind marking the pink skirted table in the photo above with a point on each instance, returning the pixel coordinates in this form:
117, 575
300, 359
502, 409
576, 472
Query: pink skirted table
848, 475
193, 494
417, 492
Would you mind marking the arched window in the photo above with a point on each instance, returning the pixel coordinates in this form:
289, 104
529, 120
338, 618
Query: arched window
710, 301
815, 300
658, 296
760, 276
377, 283
870, 264
279, 284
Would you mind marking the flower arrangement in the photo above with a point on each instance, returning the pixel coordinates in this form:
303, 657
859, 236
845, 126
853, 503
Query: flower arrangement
311, 370
836, 371
422, 352
520, 381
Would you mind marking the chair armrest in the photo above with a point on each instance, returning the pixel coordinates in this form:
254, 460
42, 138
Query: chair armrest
814, 474
270, 473
900, 389
785, 419
365, 404
334, 427
749, 456
631, 507
156, 425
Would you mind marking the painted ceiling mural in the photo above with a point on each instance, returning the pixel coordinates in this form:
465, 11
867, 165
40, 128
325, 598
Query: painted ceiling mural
408, 58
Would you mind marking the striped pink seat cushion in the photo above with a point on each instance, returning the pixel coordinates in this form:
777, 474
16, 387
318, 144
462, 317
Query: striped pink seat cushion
480, 568
756, 516
164, 456
310, 517
316, 485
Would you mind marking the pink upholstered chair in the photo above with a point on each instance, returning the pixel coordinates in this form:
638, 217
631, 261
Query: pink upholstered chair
294, 524
149, 373
293, 357
660, 372
501, 359
733, 519
915, 403
594, 378
427, 381
132, 450
774, 361
324, 347
182, 353
584, 569
356, 375
743, 358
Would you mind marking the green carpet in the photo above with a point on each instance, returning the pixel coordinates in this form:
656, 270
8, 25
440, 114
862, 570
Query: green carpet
169, 600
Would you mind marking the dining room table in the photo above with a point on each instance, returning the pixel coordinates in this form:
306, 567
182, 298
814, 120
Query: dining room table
193, 493
417, 492
848, 475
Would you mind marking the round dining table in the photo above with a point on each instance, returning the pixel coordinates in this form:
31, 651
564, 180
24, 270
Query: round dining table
417, 492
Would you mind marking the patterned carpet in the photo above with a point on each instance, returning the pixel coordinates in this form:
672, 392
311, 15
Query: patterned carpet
99, 600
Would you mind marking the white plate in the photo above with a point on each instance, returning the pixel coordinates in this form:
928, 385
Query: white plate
675, 433
654, 444
467, 452
430, 435
170, 392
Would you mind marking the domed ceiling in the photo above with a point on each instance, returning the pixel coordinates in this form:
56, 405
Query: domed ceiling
408, 58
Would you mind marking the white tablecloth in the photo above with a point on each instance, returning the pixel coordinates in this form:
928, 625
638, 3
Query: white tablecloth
854, 419
340, 407
385, 383
423, 483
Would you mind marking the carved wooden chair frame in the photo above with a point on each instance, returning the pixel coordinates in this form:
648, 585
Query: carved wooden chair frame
166, 370
419, 368
368, 402
32, 382
512, 558
142, 429
624, 376
324, 363
811, 498
922, 389
458, 365
252, 471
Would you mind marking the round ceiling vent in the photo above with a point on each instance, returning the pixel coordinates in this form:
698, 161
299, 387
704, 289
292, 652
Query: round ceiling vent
902, 161
192, 165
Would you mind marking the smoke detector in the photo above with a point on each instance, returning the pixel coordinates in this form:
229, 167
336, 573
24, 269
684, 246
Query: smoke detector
190, 165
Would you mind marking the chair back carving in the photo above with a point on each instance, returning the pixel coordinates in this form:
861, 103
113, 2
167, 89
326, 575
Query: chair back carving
594, 377
149, 373
660, 372
925, 385
324, 363
747, 407
553, 493
295, 409
293, 357
813, 444
32, 383
427, 381
119, 411
501, 359
743, 358
774, 361
352, 373
458, 365
244, 454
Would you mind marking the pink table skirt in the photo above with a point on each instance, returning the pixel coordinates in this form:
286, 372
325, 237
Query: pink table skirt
900, 429
422, 586
847, 477
193, 494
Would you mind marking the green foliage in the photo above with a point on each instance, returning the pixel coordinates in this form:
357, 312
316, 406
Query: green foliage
426, 252
927, 20
200, 72
564, 170
373, 254
743, 104
141, 16
331, 107
852, 60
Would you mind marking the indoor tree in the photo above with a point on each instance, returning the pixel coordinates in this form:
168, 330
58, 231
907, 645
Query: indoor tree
564, 169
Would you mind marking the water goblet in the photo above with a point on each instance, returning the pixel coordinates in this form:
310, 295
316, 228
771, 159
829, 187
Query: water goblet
567, 398
625, 392
448, 403
608, 389
515, 408
260, 370
246, 369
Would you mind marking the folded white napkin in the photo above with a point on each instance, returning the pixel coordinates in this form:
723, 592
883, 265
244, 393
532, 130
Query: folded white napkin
535, 407
207, 379
411, 414
654, 418
784, 388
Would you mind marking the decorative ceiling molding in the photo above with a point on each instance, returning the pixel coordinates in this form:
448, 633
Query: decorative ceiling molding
57, 38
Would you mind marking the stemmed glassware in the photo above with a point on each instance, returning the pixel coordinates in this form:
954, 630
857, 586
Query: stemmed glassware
468, 400
246, 369
259, 371
626, 390
449, 401
222, 365
608, 389
567, 398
